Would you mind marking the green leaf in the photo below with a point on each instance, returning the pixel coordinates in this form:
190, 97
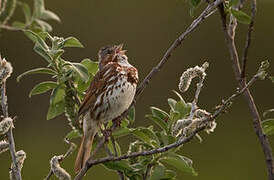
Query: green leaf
26, 11
124, 123
233, 3
42, 87
111, 148
131, 114
123, 131
37, 71
159, 113
18, 24
122, 165
268, 126
268, 111
161, 123
271, 78
73, 134
42, 52
38, 7
195, 3
179, 95
55, 110
147, 135
241, 16
169, 175
44, 35
180, 162
90, 65
46, 15
81, 70
171, 103
158, 172
57, 94
182, 108
82, 85
44, 25
166, 139
72, 42
36, 38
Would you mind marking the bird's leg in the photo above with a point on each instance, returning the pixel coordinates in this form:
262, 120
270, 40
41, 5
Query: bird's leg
117, 122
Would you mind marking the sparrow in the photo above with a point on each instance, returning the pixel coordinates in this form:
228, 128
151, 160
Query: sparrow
110, 93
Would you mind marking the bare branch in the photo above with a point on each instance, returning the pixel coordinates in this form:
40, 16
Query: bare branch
229, 36
248, 37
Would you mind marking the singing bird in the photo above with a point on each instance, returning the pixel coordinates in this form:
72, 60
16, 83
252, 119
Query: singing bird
110, 93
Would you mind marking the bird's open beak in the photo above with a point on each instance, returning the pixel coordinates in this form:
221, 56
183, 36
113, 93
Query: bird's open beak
119, 49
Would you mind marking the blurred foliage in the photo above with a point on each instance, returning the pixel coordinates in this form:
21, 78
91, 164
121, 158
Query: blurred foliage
35, 19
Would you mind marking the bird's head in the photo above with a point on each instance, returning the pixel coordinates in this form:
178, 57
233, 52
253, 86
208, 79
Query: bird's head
109, 54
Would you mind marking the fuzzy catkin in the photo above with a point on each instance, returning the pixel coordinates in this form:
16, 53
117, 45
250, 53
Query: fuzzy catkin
57, 170
4, 146
210, 127
5, 125
5, 69
180, 125
189, 74
20, 158
199, 113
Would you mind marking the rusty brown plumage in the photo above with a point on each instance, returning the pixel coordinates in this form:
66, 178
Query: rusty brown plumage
110, 93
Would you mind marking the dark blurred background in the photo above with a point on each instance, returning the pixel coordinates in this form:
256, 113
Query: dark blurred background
147, 28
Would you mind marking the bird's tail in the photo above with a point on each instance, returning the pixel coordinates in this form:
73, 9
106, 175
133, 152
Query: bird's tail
84, 151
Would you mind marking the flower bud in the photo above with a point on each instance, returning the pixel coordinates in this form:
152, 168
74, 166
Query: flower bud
20, 158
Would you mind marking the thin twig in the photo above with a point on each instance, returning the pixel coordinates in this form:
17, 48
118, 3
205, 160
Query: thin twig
69, 152
195, 100
229, 36
180, 142
147, 173
4, 103
10, 28
120, 173
248, 37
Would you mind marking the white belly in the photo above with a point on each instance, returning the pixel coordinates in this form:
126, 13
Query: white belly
118, 101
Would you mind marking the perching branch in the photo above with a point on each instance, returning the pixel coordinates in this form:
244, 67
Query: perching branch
6, 70
180, 142
229, 32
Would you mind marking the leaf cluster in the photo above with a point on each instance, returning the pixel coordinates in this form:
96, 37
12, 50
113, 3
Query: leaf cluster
69, 79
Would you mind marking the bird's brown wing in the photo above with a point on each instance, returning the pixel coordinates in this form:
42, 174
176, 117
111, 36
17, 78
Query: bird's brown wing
97, 85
